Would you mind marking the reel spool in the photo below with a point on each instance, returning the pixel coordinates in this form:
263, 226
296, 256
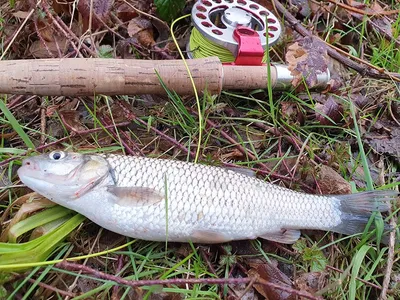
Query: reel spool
234, 30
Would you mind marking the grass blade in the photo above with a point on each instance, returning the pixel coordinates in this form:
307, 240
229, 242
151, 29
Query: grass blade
17, 127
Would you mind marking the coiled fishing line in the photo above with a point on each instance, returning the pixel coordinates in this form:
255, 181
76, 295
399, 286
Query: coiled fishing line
200, 47
215, 21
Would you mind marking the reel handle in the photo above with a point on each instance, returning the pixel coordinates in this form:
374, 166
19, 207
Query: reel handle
91, 76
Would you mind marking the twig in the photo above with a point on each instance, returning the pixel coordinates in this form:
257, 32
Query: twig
358, 278
137, 283
166, 137
390, 260
75, 282
364, 12
15, 103
248, 287
19, 30
371, 72
121, 140
204, 255
120, 262
293, 140
47, 286
55, 22
67, 31
42, 147
247, 152
41, 38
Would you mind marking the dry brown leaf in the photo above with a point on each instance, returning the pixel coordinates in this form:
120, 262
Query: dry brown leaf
64, 6
72, 120
291, 112
330, 112
306, 59
311, 282
142, 30
29, 203
38, 50
125, 13
234, 154
302, 7
387, 142
272, 274
100, 10
21, 14
331, 183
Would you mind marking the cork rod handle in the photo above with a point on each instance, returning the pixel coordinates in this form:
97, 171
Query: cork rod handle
87, 77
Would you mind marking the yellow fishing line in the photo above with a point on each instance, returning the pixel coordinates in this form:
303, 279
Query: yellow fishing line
201, 47
193, 85
52, 262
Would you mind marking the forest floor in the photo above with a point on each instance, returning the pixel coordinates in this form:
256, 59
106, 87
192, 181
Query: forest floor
341, 140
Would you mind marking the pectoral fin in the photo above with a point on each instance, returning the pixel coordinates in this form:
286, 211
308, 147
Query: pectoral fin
284, 236
135, 196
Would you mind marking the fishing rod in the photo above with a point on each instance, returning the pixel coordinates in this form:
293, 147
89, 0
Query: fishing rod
227, 50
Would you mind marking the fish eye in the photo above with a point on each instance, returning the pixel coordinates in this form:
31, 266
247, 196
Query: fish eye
57, 155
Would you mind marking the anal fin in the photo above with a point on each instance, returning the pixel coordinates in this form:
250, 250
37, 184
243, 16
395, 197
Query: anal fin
284, 236
208, 237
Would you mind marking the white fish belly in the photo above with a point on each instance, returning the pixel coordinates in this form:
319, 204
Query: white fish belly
204, 201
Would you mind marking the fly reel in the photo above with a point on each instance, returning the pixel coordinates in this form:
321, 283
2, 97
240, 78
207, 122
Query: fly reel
238, 31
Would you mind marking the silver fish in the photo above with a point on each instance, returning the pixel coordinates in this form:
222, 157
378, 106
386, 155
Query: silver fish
159, 200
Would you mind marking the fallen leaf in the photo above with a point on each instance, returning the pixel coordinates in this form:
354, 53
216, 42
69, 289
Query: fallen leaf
291, 112
38, 49
272, 274
330, 182
125, 13
21, 14
387, 142
307, 58
241, 290
100, 10
311, 282
330, 112
234, 154
360, 100
72, 120
302, 7
29, 203
142, 30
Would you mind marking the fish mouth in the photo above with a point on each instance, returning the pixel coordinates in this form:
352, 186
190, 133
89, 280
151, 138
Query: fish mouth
26, 172
35, 182
30, 169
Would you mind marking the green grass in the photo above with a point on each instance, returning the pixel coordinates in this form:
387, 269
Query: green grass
249, 118
357, 257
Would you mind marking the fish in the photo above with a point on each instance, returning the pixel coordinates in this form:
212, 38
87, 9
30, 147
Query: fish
176, 201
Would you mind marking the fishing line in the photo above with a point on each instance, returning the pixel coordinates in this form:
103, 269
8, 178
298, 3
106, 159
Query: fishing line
201, 47
196, 95
216, 22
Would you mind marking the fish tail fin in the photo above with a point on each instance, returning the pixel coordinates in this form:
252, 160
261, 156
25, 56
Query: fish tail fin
356, 209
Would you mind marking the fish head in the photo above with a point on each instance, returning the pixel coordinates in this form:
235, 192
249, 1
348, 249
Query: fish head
64, 176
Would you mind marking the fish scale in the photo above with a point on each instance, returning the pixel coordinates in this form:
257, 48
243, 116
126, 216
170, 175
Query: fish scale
157, 199
226, 201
